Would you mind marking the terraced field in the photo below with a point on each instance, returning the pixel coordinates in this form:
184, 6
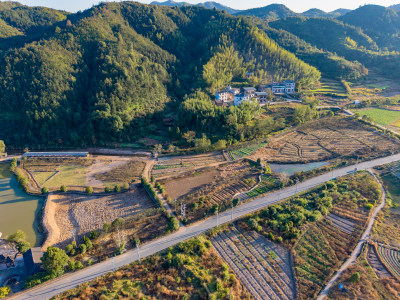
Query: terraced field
391, 258
330, 87
376, 264
325, 139
178, 165
263, 267
266, 184
244, 152
344, 225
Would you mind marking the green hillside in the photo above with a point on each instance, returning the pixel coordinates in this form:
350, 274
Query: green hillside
107, 74
269, 13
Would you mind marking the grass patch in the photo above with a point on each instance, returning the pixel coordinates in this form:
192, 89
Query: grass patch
381, 116
42, 177
68, 175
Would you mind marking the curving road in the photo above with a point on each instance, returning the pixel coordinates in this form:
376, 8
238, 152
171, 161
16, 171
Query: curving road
357, 250
69, 281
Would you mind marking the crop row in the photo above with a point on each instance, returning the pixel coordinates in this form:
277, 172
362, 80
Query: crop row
263, 187
391, 258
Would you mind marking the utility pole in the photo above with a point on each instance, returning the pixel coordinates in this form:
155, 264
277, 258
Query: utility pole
175, 206
183, 210
138, 252
217, 218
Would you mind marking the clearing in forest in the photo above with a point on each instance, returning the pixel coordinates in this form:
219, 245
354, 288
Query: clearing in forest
325, 139
265, 268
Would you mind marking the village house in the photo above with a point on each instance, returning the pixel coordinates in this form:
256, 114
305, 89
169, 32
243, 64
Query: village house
226, 97
290, 86
238, 99
250, 91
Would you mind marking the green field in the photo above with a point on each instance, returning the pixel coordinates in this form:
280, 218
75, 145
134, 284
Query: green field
381, 116
42, 177
68, 175
330, 87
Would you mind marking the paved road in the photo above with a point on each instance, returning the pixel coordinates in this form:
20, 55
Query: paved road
357, 251
69, 281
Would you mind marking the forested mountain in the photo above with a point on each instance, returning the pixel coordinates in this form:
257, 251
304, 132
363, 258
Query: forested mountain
395, 7
317, 13
380, 23
106, 74
269, 13
208, 4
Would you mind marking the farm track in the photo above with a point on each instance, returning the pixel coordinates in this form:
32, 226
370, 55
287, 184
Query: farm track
343, 224
247, 256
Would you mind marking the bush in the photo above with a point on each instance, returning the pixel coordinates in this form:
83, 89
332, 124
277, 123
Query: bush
82, 248
369, 206
4, 291
45, 190
117, 189
173, 224
63, 189
125, 186
107, 189
106, 227
355, 277
94, 235
14, 164
87, 242
118, 223
70, 250
89, 190
235, 202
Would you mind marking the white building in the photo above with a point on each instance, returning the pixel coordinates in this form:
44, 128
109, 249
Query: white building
239, 98
278, 88
250, 91
223, 96
290, 86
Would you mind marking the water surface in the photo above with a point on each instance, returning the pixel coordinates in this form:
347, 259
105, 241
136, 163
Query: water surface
17, 209
291, 169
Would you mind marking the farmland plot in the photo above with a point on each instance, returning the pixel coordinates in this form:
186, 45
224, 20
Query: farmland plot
264, 267
376, 264
391, 258
178, 165
344, 225
325, 139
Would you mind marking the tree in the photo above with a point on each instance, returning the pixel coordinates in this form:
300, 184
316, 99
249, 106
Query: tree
220, 145
355, 277
88, 243
235, 202
45, 190
63, 189
118, 223
54, 261
17, 237
173, 224
82, 248
89, 190
117, 189
4, 291
107, 189
202, 144
2, 147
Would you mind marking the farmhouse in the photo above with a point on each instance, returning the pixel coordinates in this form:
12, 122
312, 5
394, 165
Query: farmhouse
226, 96
250, 91
238, 99
32, 260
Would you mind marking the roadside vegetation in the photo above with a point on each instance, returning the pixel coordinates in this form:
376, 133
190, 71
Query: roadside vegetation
190, 270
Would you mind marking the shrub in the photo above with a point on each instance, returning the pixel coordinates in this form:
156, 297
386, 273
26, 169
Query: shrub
369, 206
107, 227
63, 189
89, 262
70, 250
14, 164
54, 261
117, 189
118, 223
94, 235
125, 186
87, 242
136, 242
235, 202
107, 189
173, 224
4, 291
45, 190
89, 190
355, 277
82, 248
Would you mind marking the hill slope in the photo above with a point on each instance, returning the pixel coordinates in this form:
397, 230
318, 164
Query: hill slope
105, 75
269, 13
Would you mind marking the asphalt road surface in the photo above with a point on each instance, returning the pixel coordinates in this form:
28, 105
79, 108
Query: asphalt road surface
69, 281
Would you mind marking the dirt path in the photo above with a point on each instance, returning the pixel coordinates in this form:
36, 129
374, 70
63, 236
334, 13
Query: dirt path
356, 252
49, 223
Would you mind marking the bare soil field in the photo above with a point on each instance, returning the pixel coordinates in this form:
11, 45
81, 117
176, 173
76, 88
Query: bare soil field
66, 216
264, 268
344, 225
325, 139
172, 166
204, 189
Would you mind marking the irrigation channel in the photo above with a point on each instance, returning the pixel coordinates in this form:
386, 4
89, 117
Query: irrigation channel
18, 210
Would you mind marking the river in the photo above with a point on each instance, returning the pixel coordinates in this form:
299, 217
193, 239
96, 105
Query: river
17, 209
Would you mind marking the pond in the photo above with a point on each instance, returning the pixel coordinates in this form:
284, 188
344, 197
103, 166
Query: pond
18, 210
290, 169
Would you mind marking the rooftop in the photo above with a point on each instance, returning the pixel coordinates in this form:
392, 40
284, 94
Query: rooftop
55, 154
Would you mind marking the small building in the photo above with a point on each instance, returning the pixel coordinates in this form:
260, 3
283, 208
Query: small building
290, 86
55, 154
232, 90
223, 96
249, 74
239, 98
32, 260
278, 88
262, 96
250, 91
